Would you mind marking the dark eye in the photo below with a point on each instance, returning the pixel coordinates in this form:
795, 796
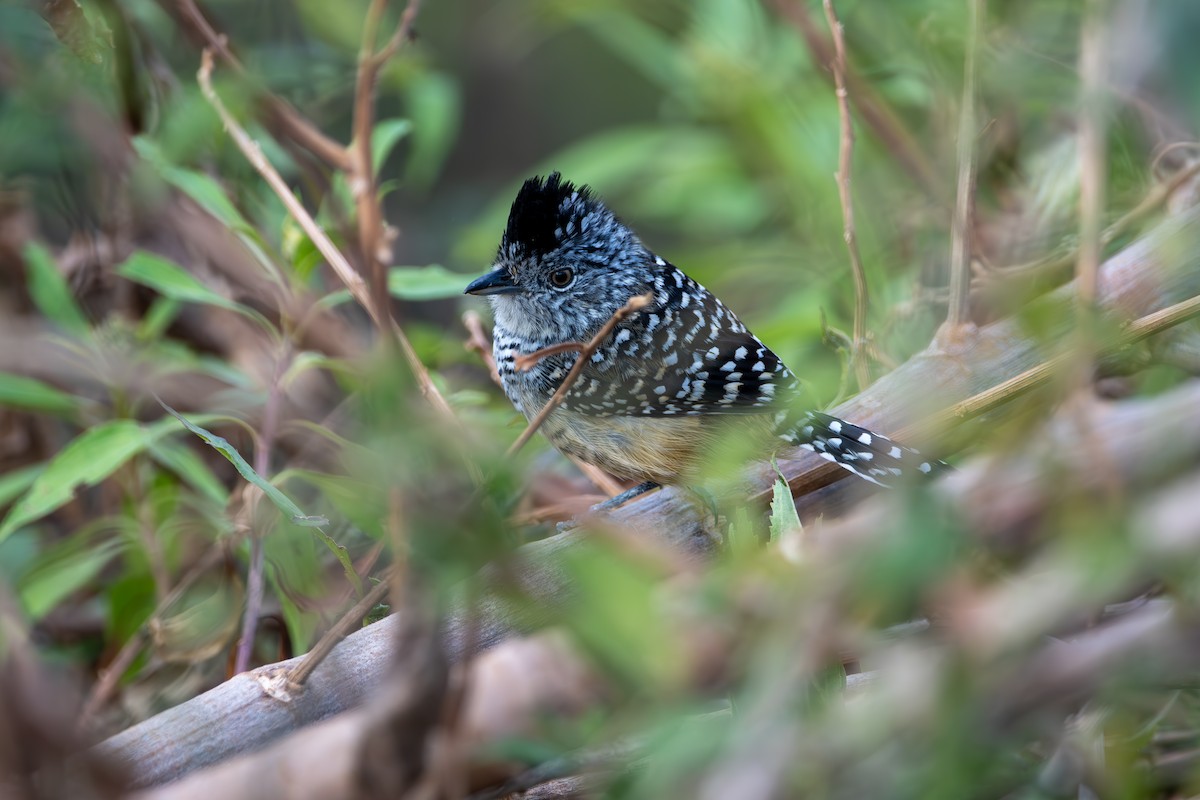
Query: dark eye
561, 278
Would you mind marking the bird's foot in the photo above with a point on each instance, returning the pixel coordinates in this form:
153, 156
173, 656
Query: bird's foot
610, 504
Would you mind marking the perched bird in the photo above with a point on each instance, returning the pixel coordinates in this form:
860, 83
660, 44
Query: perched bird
671, 378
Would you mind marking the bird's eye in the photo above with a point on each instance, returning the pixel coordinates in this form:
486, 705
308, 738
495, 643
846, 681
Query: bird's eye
561, 278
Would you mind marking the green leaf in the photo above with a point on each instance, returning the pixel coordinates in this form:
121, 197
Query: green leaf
86, 460
173, 281
343, 556
385, 137
784, 518
29, 394
208, 194
199, 187
50, 292
307, 360
158, 318
63, 571
433, 282
222, 446
14, 483
358, 502
181, 460
434, 105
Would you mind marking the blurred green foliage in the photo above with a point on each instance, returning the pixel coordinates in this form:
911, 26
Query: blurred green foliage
709, 127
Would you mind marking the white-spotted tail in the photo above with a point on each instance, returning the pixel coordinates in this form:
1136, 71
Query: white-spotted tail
869, 455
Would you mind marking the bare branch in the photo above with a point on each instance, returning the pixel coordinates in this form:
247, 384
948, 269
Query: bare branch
478, 342
374, 235
858, 349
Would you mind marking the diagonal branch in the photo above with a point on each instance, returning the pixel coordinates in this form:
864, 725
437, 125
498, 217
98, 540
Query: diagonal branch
285, 116
352, 280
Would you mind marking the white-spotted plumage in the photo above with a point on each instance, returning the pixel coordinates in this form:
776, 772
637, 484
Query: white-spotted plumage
684, 356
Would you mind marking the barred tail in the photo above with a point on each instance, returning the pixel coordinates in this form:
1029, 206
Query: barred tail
869, 455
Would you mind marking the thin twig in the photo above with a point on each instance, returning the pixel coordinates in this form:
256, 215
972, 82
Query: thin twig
298, 674
262, 465
858, 348
374, 235
478, 343
288, 119
959, 310
601, 479
1092, 179
341, 267
634, 304
372, 238
884, 123
1091, 157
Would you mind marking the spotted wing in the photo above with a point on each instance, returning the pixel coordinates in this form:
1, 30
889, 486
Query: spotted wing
686, 354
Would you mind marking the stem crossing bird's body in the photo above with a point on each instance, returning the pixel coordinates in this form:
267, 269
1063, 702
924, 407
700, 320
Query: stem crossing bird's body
670, 380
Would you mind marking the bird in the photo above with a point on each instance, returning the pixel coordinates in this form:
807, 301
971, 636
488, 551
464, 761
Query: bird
653, 400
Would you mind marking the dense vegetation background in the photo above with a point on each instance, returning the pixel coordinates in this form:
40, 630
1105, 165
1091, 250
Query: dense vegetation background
216, 447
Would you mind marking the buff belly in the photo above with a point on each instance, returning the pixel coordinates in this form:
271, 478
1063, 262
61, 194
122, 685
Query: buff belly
666, 450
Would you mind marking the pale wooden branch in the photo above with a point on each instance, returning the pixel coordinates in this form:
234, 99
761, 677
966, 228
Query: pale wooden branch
631, 306
990, 399
858, 348
1146, 277
516, 684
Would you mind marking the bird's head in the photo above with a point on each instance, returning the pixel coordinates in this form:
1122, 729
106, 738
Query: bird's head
565, 264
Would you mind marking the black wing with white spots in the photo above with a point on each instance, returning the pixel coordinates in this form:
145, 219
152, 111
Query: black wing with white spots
685, 355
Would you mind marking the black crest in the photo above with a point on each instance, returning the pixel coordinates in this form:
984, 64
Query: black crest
544, 214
